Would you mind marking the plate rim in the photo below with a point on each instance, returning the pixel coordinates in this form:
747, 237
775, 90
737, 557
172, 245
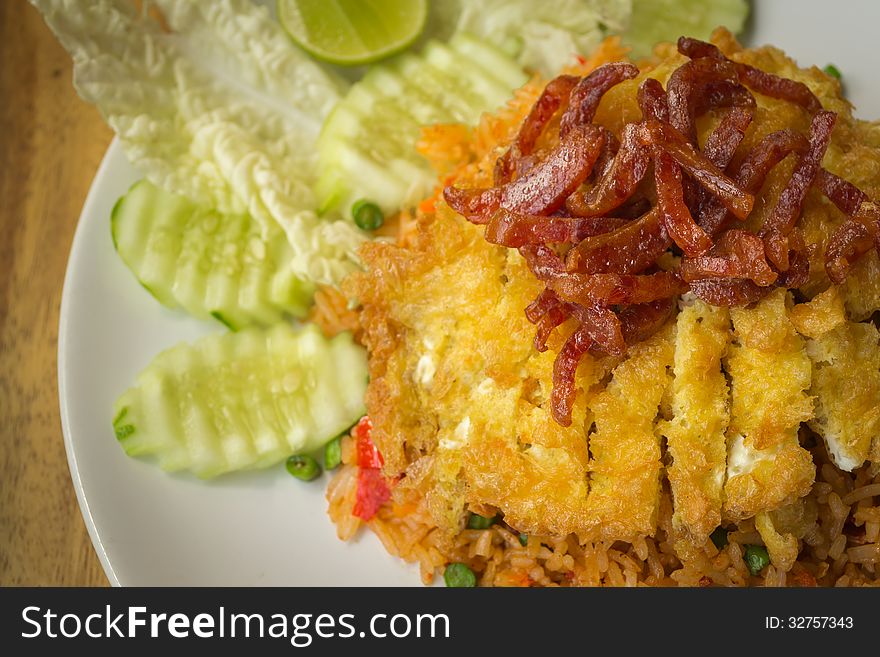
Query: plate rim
76, 249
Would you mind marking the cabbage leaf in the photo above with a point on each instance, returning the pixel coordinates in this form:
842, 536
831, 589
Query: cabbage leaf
212, 101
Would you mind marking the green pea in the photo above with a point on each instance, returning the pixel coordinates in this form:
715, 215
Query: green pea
333, 453
367, 215
832, 71
303, 466
458, 575
480, 522
756, 558
523, 539
719, 537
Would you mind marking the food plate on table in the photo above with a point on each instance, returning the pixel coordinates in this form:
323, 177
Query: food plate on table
262, 527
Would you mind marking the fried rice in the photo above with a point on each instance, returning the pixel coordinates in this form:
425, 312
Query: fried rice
828, 537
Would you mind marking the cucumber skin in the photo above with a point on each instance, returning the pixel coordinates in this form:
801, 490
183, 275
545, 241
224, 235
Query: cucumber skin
115, 218
227, 323
294, 302
332, 376
122, 429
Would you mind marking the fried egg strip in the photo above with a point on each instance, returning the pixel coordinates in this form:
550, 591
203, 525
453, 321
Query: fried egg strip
769, 372
625, 448
846, 382
695, 437
846, 376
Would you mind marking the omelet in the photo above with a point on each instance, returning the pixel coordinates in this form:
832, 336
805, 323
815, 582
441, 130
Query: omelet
715, 403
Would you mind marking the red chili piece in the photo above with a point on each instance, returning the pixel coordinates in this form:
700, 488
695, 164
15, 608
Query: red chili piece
372, 487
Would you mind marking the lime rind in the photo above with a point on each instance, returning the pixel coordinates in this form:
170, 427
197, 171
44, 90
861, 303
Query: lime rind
353, 33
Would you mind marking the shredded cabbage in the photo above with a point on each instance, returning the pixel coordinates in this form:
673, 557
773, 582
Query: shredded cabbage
211, 100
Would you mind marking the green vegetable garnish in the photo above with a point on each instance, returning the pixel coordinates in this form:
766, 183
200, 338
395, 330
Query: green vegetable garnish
458, 575
719, 537
524, 539
480, 522
833, 71
303, 466
333, 453
756, 558
367, 215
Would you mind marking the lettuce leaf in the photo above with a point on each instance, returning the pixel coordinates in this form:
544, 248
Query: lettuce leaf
212, 101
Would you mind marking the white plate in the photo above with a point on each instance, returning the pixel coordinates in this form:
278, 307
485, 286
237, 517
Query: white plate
266, 528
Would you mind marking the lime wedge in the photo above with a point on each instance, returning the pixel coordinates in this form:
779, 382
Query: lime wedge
351, 32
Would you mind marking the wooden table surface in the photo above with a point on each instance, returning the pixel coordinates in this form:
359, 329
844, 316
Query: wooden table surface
50, 146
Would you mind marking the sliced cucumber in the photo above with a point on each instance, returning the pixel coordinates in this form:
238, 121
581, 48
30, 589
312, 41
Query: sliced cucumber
243, 400
653, 21
491, 59
367, 145
207, 263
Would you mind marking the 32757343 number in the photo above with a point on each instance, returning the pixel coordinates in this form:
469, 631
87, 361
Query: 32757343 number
808, 622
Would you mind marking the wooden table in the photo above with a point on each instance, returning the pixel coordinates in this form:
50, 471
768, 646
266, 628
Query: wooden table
50, 146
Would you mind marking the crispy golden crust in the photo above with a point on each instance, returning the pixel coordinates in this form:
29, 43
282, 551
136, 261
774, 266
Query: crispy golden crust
846, 383
822, 313
625, 468
769, 373
695, 437
846, 378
